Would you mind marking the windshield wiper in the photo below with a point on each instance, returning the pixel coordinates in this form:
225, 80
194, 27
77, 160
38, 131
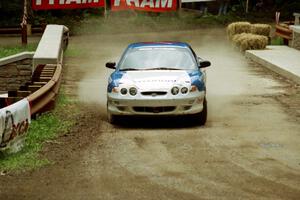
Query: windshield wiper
162, 68
129, 69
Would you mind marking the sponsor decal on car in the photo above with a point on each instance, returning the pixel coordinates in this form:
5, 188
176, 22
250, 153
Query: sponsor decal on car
196, 79
114, 80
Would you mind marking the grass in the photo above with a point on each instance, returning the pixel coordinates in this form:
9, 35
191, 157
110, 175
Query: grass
277, 41
11, 50
73, 52
46, 127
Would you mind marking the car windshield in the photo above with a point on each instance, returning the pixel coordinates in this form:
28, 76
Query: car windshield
149, 58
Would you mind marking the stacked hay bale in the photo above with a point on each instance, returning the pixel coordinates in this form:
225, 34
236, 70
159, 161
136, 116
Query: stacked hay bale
238, 28
249, 36
246, 41
261, 29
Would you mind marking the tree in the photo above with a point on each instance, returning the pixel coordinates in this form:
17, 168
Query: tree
11, 12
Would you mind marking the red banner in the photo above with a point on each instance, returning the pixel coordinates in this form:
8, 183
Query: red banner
145, 5
65, 4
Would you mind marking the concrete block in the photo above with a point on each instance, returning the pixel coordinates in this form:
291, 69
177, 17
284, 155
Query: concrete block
280, 59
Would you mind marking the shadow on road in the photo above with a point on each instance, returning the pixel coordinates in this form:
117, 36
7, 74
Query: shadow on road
156, 122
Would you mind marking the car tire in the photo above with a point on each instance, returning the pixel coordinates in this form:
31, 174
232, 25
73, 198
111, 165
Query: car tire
112, 119
202, 116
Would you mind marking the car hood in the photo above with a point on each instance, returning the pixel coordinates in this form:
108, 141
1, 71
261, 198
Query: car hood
156, 79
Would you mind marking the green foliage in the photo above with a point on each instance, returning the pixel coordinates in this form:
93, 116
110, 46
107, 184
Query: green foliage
44, 129
11, 50
72, 52
277, 41
289, 8
11, 12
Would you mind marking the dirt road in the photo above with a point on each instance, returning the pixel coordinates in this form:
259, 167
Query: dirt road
249, 148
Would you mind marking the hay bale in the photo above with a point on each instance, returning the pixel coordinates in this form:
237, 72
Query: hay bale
261, 29
246, 41
238, 38
237, 28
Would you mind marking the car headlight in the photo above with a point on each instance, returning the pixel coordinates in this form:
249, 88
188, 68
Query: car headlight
123, 91
133, 91
175, 90
184, 90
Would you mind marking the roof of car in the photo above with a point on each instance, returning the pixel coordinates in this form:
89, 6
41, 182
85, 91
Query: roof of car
163, 44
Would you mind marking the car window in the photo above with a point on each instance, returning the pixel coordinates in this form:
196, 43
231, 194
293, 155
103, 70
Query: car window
158, 57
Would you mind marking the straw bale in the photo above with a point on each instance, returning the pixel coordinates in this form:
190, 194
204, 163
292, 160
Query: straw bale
238, 38
261, 29
246, 41
237, 28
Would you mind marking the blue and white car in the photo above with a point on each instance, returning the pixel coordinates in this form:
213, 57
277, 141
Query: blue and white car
158, 78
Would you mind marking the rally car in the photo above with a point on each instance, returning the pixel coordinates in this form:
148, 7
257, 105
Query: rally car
157, 78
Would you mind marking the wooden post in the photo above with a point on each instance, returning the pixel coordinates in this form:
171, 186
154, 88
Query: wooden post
105, 9
247, 6
179, 7
24, 24
24, 35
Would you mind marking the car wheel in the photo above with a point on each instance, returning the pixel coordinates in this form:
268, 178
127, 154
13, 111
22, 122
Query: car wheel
202, 116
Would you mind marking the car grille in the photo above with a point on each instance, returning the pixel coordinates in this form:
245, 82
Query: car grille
154, 93
154, 109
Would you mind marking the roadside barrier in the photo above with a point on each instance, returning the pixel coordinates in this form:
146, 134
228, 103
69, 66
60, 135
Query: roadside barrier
43, 98
52, 45
283, 30
36, 95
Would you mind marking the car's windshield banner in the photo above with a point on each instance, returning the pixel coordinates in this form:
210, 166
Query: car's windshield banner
65, 4
144, 5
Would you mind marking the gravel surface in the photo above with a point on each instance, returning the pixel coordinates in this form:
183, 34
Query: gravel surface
249, 148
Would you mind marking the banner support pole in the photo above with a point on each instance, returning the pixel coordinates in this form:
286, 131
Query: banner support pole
24, 24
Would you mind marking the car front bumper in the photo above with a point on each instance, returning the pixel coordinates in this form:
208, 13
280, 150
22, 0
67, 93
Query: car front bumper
166, 105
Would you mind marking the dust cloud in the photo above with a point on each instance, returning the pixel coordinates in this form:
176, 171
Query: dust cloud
226, 77
248, 149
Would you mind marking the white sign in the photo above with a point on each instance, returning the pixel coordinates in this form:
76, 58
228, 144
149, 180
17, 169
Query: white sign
14, 124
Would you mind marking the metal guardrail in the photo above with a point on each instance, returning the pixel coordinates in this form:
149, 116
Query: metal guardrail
39, 94
44, 98
284, 32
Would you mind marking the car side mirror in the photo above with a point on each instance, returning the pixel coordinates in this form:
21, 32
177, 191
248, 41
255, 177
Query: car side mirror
204, 63
110, 65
